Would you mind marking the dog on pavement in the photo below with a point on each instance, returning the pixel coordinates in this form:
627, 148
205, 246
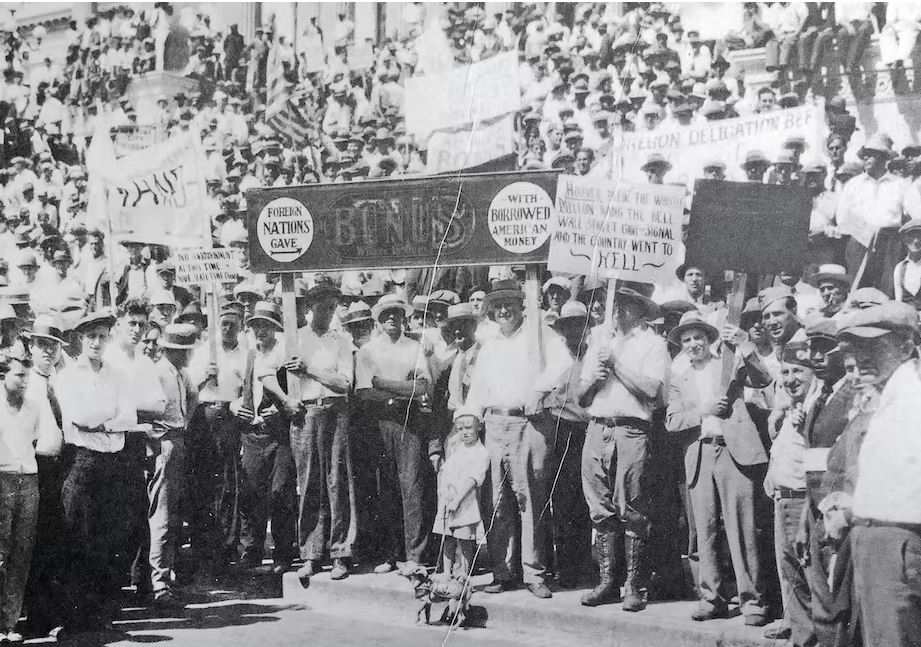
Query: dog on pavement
431, 591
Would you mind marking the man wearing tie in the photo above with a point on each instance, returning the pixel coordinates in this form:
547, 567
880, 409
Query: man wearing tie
44, 596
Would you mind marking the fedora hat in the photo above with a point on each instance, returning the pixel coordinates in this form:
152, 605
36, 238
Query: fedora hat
656, 160
504, 289
689, 320
878, 143
266, 311
390, 302
572, 310
103, 317
358, 311
637, 292
755, 157
191, 313
830, 272
46, 327
322, 287
179, 336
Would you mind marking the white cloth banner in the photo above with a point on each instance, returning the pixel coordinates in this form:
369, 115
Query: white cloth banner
476, 92
604, 229
688, 148
469, 147
154, 196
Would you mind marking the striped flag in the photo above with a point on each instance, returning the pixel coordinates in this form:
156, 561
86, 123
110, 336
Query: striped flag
281, 113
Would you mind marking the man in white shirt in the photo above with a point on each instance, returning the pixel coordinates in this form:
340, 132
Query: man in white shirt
43, 593
327, 519
622, 375
507, 386
96, 410
214, 445
19, 423
887, 494
906, 277
392, 376
871, 209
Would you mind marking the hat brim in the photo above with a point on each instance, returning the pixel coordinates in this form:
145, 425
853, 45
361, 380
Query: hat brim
379, 309
864, 332
828, 276
864, 150
106, 320
709, 330
653, 311
502, 294
468, 317
175, 346
275, 323
365, 317
32, 335
192, 316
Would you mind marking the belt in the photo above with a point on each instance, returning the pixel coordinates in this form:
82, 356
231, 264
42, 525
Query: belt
719, 441
321, 402
787, 493
624, 421
877, 523
515, 412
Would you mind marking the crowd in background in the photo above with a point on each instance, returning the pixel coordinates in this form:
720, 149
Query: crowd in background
418, 410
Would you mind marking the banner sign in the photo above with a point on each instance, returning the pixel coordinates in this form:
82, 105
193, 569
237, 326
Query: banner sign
688, 148
476, 92
611, 230
748, 227
130, 139
452, 220
198, 266
154, 196
469, 147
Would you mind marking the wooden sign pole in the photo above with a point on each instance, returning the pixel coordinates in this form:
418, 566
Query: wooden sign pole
289, 321
735, 304
213, 323
533, 319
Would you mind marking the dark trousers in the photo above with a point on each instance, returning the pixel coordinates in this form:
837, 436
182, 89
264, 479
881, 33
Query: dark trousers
823, 609
402, 478
267, 490
214, 475
887, 579
572, 528
94, 519
327, 519
44, 598
367, 452
18, 518
794, 586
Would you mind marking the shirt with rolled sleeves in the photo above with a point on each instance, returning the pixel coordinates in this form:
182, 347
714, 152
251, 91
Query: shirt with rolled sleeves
92, 399
390, 360
645, 354
504, 375
329, 352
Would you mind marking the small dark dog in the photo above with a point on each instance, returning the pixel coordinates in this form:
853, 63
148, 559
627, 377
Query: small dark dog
429, 592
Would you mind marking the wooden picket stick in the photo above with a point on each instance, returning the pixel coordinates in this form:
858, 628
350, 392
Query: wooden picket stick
212, 292
289, 321
735, 304
533, 319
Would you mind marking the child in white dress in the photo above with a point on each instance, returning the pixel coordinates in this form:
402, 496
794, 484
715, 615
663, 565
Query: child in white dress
459, 481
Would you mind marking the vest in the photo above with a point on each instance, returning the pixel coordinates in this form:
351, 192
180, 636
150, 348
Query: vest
823, 429
914, 300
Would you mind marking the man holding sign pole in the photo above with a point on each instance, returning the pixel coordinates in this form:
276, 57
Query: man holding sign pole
621, 379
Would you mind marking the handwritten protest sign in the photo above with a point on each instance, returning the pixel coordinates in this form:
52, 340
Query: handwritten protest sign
198, 266
157, 195
688, 148
616, 230
469, 147
480, 91
130, 139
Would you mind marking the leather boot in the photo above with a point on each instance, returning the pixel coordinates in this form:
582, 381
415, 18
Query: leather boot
607, 591
635, 586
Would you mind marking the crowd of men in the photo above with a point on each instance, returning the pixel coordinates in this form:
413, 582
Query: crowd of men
621, 454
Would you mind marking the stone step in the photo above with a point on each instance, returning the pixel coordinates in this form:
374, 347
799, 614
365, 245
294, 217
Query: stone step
665, 623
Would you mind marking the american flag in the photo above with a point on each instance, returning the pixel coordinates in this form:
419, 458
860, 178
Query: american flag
281, 113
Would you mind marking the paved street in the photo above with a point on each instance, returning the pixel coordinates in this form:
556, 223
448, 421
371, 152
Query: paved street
277, 623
